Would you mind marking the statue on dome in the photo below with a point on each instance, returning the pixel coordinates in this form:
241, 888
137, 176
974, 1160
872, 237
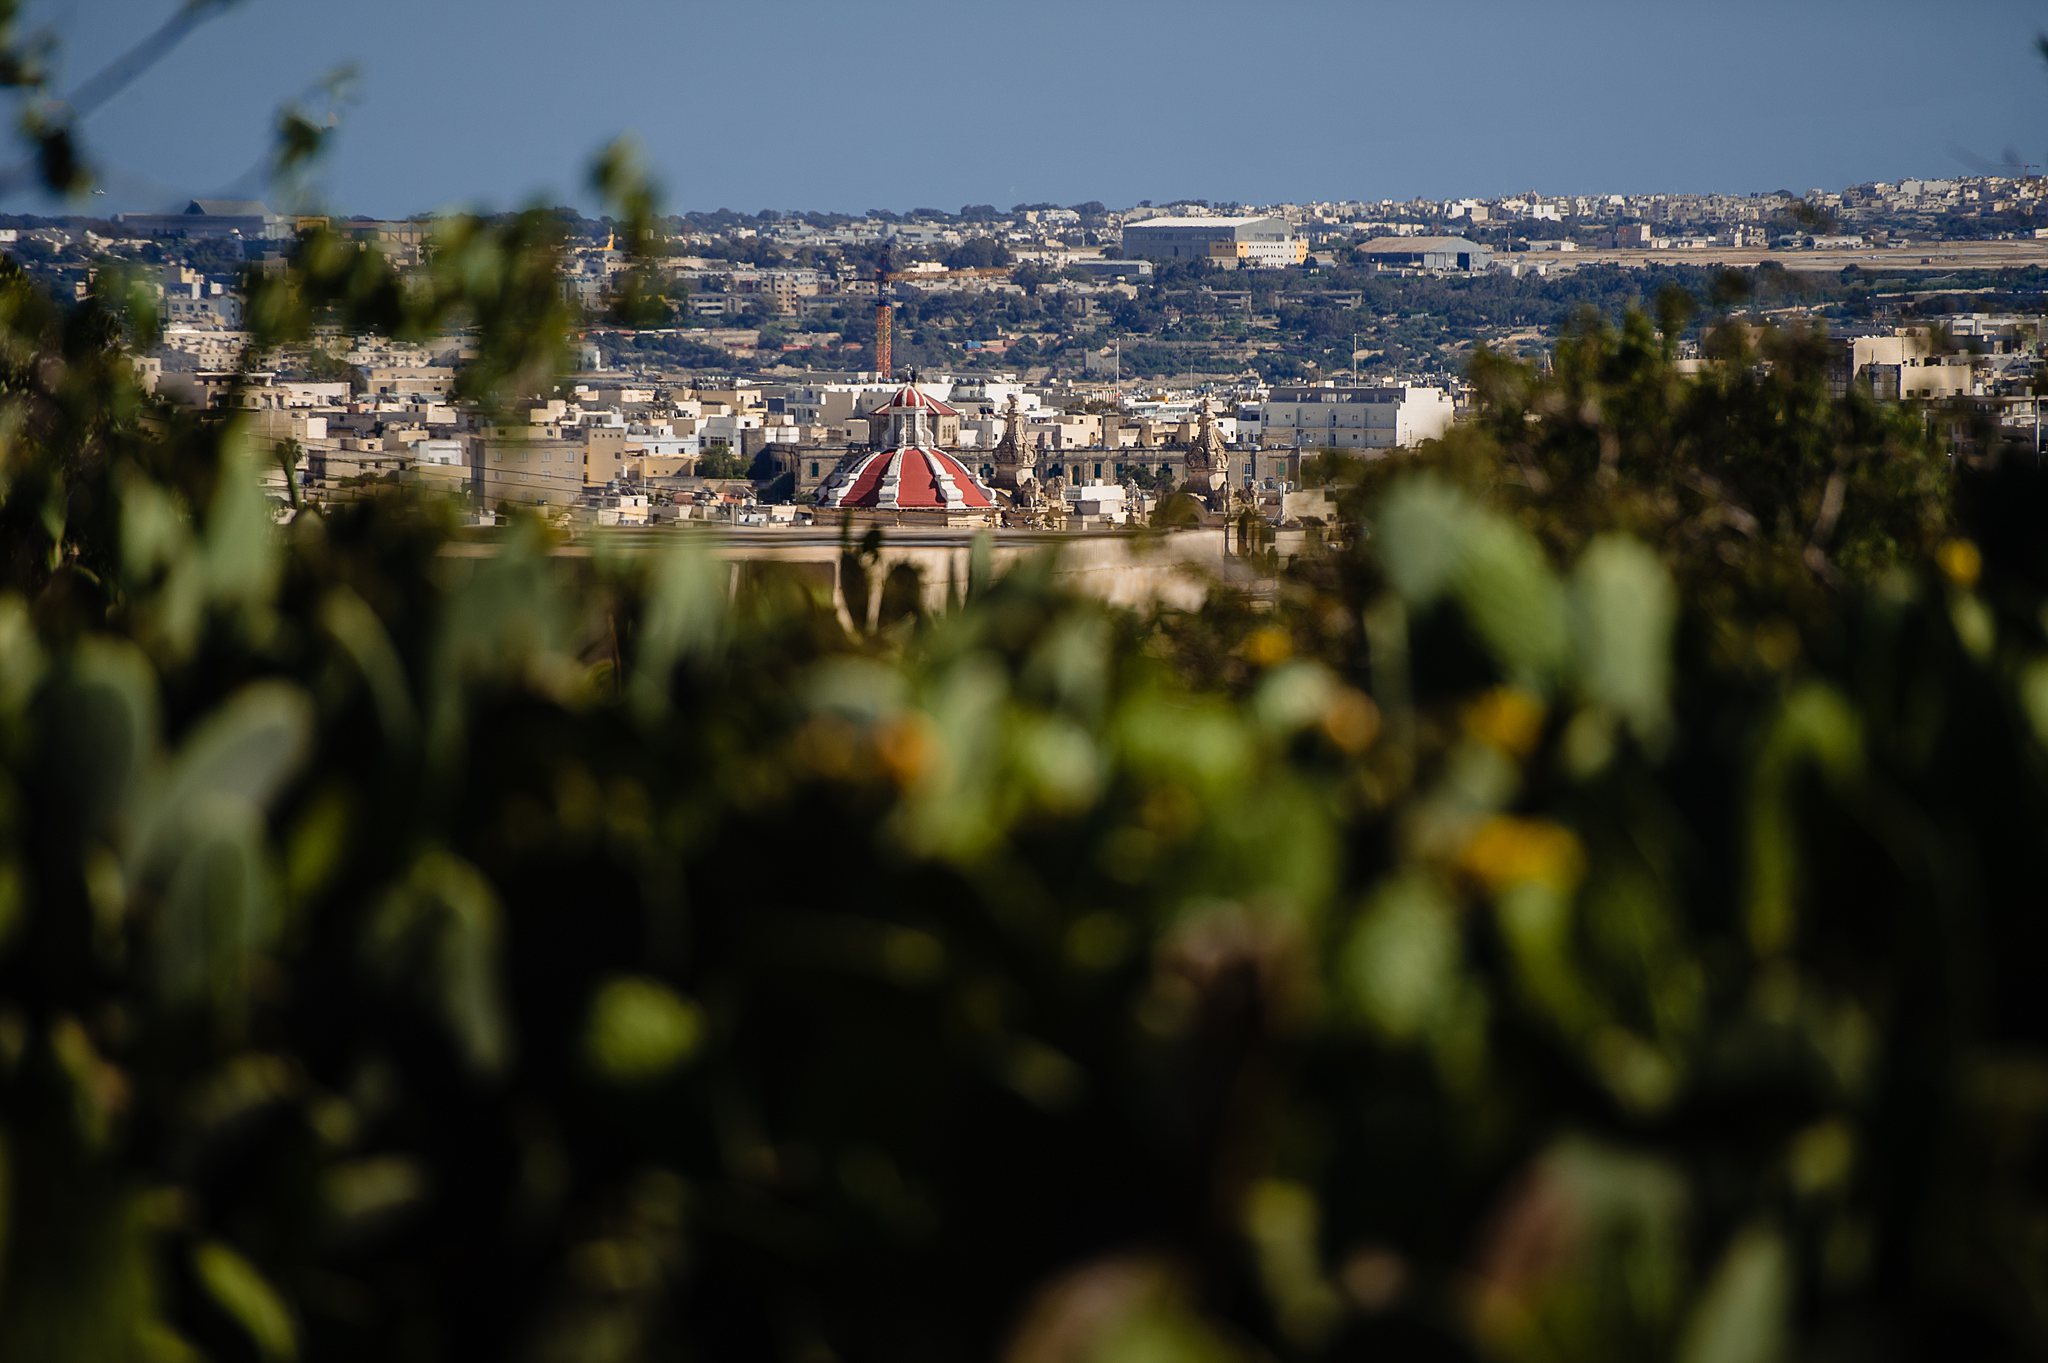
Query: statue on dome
1208, 462
1136, 504
1016, 458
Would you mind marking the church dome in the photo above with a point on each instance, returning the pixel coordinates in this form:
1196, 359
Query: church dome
913, 474
911, 398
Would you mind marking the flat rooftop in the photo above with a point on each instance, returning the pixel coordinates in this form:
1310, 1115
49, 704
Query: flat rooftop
1202, 222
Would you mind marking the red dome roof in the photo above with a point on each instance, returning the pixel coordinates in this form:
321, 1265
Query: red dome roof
912, 475
910, 478
911, 398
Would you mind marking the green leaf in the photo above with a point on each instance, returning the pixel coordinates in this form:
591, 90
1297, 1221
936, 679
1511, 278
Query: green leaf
685, 618
1199, 746
219, 906
1536, 921
1401, 964
640, 1030
1741, 1317
156, 1342
954, 809
1512, 599
362, 1192
1163, 1332
981, 564
13, 902
239, 1290
155, 529
858, 689
1293, 696
348, 618
98, 727
1421, 532
1815, 729
1435, 541
1282, 1221
240, 546
2033, 696
1070, 665
1623, 612
243, 752
21, 655
439, 932
299, 140
902, 596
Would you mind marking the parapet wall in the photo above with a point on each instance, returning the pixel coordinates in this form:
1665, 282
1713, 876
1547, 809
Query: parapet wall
1136, 569
1122, 568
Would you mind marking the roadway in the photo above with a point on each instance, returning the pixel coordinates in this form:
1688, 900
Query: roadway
1942, 257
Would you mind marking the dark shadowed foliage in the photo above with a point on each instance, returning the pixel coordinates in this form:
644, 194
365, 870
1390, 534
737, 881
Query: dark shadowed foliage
1591, 912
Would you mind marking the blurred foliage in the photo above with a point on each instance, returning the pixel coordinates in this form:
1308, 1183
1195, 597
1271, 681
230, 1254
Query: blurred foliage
1587, 913
1758, 485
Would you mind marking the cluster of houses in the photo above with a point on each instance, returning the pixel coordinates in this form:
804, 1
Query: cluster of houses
646, 445
649, 447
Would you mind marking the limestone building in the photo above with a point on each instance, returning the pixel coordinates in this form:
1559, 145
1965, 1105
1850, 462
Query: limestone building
909, 472
1376, 417
1265, 242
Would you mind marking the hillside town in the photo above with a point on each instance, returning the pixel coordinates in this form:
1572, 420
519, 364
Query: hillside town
1412, 760
1055, 367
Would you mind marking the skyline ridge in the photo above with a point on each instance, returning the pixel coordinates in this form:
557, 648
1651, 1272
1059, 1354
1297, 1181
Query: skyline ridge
499, 105
78, 208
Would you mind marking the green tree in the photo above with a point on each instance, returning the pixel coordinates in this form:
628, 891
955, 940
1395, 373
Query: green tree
290, 456
1585, 908
978, 253
719, 462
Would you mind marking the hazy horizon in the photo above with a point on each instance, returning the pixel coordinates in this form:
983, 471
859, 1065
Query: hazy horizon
798, 105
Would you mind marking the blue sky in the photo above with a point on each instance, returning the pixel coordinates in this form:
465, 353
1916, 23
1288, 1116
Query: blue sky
838, 104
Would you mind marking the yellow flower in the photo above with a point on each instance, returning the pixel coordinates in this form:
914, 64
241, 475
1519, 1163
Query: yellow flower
1351, 721
1268, 646
906, 747
1960, 562
1506, 851
1506, 718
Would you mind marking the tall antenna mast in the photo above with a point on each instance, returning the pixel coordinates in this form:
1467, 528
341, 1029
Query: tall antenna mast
884, 319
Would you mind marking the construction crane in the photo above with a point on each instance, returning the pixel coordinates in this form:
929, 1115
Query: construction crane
884, 319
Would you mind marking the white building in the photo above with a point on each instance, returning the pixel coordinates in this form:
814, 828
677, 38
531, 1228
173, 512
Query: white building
1427, 254
441, 453
1314, 417
1266, 242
